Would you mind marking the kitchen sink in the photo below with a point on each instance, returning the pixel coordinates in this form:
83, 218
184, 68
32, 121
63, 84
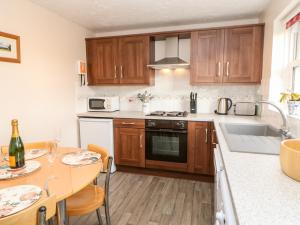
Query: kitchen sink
252, 138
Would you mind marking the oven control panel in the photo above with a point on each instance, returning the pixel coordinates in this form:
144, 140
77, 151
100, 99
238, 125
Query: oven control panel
167, 124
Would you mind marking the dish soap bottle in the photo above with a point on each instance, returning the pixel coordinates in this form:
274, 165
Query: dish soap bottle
16, 148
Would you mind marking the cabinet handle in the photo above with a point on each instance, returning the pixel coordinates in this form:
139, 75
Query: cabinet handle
121, 71
206, 135
141, 140
126, 123
227, 69
219, 69
115, 72
213, 137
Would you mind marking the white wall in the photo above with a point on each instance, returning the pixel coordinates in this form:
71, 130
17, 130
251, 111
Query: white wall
272, 16
40, 91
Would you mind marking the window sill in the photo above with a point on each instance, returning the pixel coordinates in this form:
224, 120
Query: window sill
294, 117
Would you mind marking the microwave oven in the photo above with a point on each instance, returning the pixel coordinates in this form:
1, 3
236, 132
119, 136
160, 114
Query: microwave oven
103, 104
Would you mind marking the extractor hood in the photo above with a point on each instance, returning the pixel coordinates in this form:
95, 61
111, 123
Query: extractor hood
171, 60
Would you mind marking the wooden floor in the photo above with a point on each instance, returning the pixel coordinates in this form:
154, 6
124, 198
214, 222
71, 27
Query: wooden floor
148, 200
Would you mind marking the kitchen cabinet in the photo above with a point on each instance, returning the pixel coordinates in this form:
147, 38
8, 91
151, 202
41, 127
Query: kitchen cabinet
101, 61
243, 54
199, 148
133, 59
207, 56
129, 141
119, 60
230, 55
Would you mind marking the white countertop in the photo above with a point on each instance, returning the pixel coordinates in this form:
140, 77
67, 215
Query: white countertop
140, 115
261, 193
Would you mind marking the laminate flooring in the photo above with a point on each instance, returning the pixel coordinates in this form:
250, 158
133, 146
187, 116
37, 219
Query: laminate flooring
149, 200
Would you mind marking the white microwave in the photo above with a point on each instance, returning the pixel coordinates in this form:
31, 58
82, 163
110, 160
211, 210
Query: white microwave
103, 104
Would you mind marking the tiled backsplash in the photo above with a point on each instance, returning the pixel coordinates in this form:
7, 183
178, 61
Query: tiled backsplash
171, 92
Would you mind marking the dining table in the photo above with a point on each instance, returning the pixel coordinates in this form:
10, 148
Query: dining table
59, 179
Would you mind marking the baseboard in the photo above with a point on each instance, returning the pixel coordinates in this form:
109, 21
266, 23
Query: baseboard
163, 173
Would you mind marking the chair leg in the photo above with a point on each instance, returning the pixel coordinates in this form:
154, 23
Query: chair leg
99, 216
51, 221
107, 216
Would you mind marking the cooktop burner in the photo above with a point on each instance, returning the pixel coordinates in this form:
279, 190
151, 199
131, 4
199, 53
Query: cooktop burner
169, 114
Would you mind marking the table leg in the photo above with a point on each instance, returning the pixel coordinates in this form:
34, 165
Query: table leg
62, 217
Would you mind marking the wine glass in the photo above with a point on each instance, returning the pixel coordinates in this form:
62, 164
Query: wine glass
52, 152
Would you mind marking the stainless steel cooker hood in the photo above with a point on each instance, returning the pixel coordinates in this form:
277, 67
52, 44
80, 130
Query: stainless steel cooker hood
172, 60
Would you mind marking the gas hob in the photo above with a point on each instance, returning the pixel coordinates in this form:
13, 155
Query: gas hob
169, 113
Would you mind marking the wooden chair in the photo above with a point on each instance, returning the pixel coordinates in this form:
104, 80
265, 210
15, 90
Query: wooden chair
28, 146
29, 216
92, 197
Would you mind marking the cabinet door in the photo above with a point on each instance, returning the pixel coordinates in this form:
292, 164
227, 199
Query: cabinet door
129, 146
134, 55
101, 61
207, 56
243, 54
199, 148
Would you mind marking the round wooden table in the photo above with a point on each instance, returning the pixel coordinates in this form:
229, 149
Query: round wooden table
63, 180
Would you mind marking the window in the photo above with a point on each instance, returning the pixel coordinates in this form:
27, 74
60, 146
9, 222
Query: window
292, 50
296, 80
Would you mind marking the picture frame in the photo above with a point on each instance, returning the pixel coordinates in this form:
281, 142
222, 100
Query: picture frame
10, 48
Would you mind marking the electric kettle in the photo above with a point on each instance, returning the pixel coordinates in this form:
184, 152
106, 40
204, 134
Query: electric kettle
224, 105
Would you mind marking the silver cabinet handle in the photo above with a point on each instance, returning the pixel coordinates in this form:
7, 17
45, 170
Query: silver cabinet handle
115, 72
141, 140
214, 142
206, 135
219, 69
121, 67
227, 69
126, 123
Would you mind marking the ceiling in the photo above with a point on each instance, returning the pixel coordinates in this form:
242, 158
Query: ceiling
115, 15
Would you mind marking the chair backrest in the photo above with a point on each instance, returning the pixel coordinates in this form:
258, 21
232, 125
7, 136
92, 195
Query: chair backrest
104, 154
107, 162
29, 216
28, 146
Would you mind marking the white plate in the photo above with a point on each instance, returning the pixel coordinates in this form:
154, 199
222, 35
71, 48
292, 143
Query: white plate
16, 198
8, 173
32, 154
81, 158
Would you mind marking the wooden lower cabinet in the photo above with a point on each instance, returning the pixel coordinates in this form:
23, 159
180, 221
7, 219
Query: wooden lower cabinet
129, 140
200, 148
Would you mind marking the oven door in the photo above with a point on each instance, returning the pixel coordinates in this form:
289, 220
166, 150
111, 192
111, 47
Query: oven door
96, 104
166, 145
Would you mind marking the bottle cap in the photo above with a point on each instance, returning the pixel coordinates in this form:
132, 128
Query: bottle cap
14, 122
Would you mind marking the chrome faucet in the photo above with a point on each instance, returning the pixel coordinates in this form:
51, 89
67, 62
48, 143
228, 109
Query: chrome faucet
284, 128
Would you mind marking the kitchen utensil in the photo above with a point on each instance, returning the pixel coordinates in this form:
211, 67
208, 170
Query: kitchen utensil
224, 105
193, 102
245, 109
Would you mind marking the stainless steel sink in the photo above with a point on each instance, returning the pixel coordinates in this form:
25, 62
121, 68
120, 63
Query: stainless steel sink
252, 138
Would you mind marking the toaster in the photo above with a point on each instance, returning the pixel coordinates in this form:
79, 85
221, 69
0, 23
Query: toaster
245, 109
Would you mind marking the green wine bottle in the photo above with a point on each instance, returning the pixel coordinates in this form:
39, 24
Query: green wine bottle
16, 148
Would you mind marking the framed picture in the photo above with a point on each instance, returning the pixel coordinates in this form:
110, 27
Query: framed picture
9, 48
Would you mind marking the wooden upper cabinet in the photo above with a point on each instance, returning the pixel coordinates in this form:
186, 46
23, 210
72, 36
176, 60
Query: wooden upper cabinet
133, 59
207, 56
243, 55
119, 60
101, 61
199, 148
230, 55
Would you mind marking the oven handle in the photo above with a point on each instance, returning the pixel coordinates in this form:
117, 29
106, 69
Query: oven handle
167, 131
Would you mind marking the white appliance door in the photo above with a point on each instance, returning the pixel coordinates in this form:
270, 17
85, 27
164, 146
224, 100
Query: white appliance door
99, 132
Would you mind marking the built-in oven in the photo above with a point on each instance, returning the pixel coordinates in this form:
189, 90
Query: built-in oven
166, 140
